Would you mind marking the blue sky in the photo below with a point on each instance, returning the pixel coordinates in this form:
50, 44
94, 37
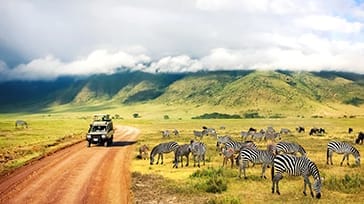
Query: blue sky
44, 40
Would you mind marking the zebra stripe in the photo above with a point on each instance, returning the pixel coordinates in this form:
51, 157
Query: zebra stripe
162, 148
290, 148
237, 146
342, 148
296, 166
222, 140
198, 150
182, 150
256, 156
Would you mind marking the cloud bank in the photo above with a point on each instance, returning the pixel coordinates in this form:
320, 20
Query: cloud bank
41, 41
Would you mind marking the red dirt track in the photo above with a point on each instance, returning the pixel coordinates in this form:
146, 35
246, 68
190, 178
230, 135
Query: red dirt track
76, 174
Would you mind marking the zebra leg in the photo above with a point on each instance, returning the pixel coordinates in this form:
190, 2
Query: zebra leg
342, 161
307, 182
244, 167
181, 160
275, 182
188, 160
264, 166
347, 159
159, 155
162, 158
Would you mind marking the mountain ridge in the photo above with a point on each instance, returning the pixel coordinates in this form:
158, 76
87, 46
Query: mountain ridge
248, 90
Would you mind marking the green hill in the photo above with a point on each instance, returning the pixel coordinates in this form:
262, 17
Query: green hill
267, 92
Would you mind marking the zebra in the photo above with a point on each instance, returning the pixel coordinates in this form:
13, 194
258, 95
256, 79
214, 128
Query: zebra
162, 148
245, 135
285, 131
182, 150
198, 150
256, 156
199, 134
289, 148
228, 154
296, 166
209, 131
222, 140
175, 132
258, 136
21, 123
272, 136
236, 145
342, 148
165, 133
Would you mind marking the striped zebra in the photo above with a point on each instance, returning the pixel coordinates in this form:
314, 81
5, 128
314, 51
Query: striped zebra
198, 150
296, 166
237, 146
161, 149
256, 156
222, 140
199, 134
289, 148
182, 150
342, 148
210, 131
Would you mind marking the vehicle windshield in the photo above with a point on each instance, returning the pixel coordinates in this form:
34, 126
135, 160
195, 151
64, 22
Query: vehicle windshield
98, 128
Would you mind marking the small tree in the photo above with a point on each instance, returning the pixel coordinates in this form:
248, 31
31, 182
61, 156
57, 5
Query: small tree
166, 117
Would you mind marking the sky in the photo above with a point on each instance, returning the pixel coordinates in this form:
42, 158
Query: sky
44, 40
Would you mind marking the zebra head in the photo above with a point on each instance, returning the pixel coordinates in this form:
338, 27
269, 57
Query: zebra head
317, 187
357, 161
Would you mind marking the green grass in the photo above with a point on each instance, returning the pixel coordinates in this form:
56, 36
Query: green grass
66, 124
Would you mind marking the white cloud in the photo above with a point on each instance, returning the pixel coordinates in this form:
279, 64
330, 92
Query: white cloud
82, 38
330, 24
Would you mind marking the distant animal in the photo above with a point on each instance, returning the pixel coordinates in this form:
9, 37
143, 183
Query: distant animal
342, 148
360, 138
165, 133
350, 130
285, 131
209, 131
175, 132
199, 134
143, 152
198, 150
252, 129
182, 150
161, 149
289, 148
300, 129
296, 166
21, 123
315, 131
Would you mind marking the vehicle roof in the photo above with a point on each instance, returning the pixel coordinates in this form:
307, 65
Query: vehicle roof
100, 123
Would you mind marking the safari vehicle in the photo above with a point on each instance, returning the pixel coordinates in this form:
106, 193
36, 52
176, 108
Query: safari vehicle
101, 131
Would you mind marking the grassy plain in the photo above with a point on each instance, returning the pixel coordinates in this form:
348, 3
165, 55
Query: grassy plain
63, 125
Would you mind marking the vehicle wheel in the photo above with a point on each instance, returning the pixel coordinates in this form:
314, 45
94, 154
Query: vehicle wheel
106, 143
88, 144
110, 142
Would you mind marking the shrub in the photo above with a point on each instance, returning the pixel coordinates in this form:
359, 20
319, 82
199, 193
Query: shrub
355, 101
213, 180
216, 115
166, 117
347, 184
224, 200
252, 115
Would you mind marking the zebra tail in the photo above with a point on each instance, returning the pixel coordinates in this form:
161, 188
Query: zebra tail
327, 155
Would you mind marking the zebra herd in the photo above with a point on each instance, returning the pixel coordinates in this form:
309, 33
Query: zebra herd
283, 157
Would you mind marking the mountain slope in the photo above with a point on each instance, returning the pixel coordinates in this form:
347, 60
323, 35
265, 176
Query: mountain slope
268, 92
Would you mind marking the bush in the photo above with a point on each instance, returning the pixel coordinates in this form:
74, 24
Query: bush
252, 115
355, 101
348, 184
224, 200
213, 180
166, 117
216, 115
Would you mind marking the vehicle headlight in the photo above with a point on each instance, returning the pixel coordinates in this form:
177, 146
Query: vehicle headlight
88, 136
103, 136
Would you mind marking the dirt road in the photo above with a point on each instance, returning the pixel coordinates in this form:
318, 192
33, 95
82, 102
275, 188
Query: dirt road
76, 174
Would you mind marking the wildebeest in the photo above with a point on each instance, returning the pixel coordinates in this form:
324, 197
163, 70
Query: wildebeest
317, 131
360, 138
21, 123
300, 129
350, 130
